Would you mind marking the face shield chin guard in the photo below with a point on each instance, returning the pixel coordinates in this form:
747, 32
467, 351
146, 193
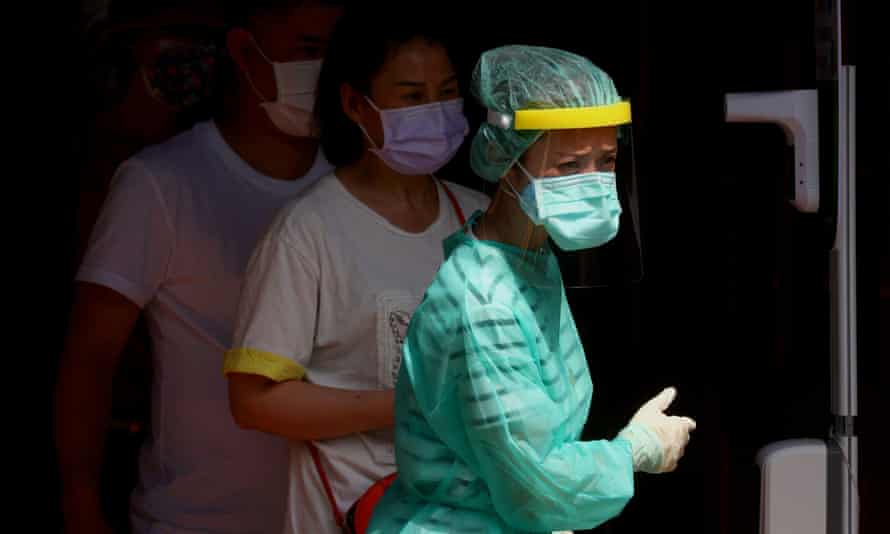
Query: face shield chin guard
618, 262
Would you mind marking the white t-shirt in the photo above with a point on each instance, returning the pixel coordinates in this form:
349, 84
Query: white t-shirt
174, 236
329, 294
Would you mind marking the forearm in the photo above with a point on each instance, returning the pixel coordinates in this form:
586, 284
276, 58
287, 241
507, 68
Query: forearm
578, 484
302, 411
82, 413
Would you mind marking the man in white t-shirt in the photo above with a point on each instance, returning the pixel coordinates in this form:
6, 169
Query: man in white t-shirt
172, 242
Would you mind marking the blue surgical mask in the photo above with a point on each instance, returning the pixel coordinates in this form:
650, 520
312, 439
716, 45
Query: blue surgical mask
578, 211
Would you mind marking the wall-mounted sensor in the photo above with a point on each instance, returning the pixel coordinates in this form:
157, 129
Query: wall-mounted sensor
797, 112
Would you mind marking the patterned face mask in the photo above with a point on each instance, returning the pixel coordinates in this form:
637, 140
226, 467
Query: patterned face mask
182, 75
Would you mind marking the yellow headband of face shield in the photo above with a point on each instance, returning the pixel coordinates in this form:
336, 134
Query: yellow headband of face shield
563, 118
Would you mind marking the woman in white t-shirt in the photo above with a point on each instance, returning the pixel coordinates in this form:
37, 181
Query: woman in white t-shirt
331, 287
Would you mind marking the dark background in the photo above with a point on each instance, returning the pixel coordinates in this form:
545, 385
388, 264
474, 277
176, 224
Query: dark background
733, 308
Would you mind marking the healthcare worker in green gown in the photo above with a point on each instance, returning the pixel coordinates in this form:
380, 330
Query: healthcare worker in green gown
494, 388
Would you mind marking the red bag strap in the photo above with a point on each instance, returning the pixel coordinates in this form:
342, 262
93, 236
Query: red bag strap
316, 459
459, 212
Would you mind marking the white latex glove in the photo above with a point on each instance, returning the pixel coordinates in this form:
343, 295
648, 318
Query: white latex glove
657, 440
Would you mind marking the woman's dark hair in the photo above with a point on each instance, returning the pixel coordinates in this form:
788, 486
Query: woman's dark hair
365, 37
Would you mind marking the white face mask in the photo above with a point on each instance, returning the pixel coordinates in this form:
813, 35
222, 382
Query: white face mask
296, 81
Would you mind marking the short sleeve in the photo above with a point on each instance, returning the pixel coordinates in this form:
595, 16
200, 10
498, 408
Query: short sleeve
133, 239
277, 312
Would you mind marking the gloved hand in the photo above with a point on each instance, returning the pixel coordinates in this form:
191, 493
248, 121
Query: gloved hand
657, 440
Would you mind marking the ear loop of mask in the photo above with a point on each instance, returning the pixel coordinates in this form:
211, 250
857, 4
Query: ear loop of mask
371, 140
154, 94
513, 192
368, 136
362, 128
530, 225
262, 98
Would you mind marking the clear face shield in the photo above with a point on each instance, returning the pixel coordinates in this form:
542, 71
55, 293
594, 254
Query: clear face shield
619, 261
580, 186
